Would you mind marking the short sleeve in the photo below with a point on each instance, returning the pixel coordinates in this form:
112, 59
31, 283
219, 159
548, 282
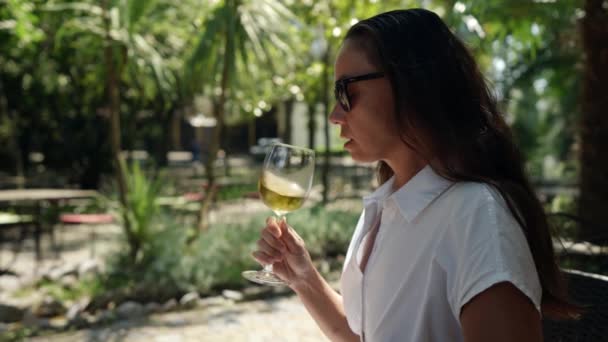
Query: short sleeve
483, 247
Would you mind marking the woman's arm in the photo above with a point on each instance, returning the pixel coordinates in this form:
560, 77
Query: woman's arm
501, 313
326, 308
283, 247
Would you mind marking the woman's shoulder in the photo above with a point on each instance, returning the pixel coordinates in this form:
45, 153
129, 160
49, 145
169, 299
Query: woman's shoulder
466, 198
478, 216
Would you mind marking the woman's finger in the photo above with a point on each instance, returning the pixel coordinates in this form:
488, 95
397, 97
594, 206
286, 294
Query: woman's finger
268, 249
273, 226
293, 242
272, 240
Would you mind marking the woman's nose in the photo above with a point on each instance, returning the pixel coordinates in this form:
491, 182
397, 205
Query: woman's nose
337, 115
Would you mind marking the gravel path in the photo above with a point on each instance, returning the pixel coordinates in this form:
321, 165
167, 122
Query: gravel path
277, 319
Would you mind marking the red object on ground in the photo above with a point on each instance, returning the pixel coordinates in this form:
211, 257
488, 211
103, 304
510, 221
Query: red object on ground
86, 218
193, 196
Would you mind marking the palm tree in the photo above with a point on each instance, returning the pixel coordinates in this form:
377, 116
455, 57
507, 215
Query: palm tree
116, 24
222, 56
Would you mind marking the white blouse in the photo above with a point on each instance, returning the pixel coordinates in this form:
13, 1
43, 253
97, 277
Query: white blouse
439, 244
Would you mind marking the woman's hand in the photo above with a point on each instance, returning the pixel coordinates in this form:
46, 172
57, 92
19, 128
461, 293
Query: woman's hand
281, 246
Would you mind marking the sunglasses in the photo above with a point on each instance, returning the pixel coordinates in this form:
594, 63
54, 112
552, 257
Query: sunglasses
341, 88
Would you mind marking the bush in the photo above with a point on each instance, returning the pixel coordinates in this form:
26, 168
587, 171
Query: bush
170, 266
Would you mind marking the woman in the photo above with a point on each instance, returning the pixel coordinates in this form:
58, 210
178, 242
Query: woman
454, 245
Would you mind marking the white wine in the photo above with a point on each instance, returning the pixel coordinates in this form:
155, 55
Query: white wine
279, 194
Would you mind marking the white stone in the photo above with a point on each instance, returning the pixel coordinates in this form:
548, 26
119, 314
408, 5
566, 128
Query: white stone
170, 305
212, 301
189, 300
56, 273
233, 295
90, 266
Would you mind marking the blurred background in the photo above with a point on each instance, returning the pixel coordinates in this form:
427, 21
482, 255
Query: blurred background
132, 134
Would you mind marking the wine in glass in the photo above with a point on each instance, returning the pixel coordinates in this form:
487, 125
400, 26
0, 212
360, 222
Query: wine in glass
284, 185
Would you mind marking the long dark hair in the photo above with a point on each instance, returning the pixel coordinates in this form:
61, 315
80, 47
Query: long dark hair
450, 117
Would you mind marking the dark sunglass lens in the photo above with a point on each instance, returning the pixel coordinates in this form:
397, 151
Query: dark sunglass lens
344, 99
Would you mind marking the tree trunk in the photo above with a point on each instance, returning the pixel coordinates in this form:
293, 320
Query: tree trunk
312, 125
176, 130
166, 119
12, 120
218, 113
19, 152
288, 120
594, 120
326, 108
251, 137
203, 222
112, 89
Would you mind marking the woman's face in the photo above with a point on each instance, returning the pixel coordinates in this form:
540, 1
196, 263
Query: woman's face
369, 126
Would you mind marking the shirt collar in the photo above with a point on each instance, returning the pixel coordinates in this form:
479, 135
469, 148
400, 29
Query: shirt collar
380, 194
413, 197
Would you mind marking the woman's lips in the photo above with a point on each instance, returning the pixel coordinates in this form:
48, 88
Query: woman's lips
349, 142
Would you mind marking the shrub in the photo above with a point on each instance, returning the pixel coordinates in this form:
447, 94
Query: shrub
170, 266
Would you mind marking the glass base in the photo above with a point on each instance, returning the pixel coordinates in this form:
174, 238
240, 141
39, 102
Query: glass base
263, 277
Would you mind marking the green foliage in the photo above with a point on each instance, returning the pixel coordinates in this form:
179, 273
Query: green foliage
170, 266
19, 335
141, 200
81, 288
247, 46
141, 210
236, 191
326, 233
52, 81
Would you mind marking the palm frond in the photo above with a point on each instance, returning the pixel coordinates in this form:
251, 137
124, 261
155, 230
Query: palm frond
153, 59
74, 6
200, 58
136, 10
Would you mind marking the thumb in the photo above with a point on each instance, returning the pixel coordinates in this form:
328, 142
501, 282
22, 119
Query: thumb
293, 242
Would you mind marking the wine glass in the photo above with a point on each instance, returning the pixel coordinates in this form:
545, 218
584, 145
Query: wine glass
284, 185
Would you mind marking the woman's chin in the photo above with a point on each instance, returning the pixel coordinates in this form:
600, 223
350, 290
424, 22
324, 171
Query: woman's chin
358, 156
352, 148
